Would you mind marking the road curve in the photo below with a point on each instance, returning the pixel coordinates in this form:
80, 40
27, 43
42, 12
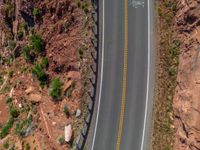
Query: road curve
126, 85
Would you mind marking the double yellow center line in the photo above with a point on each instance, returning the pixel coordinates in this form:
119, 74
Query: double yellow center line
123, 100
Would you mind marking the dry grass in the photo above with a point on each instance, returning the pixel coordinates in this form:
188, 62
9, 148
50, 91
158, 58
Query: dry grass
167, 66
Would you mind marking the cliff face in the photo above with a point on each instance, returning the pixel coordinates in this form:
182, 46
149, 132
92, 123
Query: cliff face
187, 95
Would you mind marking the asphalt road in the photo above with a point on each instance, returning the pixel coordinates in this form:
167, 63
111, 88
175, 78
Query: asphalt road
126, 86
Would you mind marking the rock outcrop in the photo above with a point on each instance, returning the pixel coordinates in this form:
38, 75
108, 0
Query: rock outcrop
187, 94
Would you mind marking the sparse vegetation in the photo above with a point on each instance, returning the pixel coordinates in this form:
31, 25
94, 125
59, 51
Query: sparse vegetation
163, 135
36, 12
80, 51
55, 89
40, 74
11, 45
83, 5
1, 80
14, 112
22, 126
44, 63
27, 146
61, 140
20, 35
66, 111
26, 53
5, 144
8, 100
36, 43
39, 55
12, 147
6, 128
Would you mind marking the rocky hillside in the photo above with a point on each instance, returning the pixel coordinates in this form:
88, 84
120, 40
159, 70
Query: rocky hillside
187, 95
45, 58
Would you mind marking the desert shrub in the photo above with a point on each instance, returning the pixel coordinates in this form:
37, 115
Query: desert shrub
23, 26
12, 147
55, 89
22, 126
40, 74
61, 140
36, 43
36, 12
20, 35
44, 63
10, 74
6, 128
27, 147
66, 110
11, 45
6, 144
14, 112
81, 52
85, 8
1, 80
8, 100
26, 53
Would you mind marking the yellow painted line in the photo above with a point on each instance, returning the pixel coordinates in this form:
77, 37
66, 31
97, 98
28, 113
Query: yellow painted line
123, 100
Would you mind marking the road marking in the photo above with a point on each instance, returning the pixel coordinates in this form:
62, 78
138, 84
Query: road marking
148, 76
101, 75
137, 3
123, 100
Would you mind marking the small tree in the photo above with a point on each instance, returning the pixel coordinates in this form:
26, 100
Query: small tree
40, 74
55, 89
36, 43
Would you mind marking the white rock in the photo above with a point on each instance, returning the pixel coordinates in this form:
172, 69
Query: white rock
20, 105
68, 133
78, 112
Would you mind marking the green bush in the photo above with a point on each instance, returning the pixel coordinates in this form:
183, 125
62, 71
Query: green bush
14, 112
6, 128
22, 126
27, 146
44, 63
10, 74
20, 35
55, 89
81, 52
1, 80
66, 110
6, 144
8, 100
36, 12
36, 43
26, 53
61, 140
40, 74
11, 45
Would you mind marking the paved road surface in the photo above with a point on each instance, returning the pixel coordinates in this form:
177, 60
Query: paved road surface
126, 87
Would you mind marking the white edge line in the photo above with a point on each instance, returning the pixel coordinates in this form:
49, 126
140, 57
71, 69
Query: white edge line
148, 76
101, 78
